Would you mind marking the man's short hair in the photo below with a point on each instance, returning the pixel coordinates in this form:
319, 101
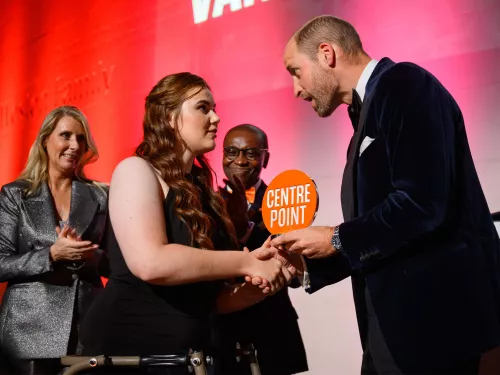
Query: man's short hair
253, 129
328, 29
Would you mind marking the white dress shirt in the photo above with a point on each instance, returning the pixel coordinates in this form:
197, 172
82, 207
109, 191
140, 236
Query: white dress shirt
361, 90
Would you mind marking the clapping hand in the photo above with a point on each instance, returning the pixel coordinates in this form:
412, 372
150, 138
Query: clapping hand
237, 205
70, 247
68, 232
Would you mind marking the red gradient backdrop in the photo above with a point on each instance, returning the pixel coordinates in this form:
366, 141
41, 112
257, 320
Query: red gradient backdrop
104, 56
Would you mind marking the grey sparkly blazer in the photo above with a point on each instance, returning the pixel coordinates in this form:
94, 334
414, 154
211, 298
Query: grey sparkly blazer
43, 299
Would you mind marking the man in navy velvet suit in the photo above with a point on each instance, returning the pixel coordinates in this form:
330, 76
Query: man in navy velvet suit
418, 240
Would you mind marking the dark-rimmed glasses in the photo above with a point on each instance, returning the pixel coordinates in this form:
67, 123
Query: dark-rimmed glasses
250, 154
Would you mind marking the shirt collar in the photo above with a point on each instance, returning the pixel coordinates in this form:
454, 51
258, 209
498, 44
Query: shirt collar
365, 76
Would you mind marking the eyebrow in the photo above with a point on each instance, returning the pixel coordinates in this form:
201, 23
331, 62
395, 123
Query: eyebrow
204, 101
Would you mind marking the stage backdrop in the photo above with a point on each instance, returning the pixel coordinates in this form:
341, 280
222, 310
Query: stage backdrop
104, 57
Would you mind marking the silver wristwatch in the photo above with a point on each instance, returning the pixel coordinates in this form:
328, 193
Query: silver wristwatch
336, 239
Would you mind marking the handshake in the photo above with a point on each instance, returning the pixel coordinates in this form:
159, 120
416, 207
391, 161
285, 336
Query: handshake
279, 260
272, 268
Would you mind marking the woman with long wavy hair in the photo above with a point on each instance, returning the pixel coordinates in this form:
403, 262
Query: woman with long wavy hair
168, 230
51, 220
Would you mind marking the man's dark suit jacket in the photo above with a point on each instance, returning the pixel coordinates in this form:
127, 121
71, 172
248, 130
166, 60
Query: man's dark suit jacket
417, 232
270, 325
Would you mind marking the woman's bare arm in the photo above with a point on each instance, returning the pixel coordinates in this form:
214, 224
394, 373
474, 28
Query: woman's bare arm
136, 212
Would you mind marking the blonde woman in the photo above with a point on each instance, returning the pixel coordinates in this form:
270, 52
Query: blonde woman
52, 219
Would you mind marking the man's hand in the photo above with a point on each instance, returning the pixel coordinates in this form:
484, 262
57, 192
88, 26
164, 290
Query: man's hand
288, 260
312, 242
237, 205
291, 263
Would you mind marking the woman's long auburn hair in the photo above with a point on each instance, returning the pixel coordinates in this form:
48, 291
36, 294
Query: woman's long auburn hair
158, 147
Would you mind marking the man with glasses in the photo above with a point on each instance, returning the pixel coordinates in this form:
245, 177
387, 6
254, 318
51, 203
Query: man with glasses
279, 346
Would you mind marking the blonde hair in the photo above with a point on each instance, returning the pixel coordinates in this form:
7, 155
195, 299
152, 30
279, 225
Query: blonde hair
36, 169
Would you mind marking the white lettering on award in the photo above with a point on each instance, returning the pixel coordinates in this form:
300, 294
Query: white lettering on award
287, 205
290, 202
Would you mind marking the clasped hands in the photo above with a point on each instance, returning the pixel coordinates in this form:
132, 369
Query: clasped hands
276, 268
287, 251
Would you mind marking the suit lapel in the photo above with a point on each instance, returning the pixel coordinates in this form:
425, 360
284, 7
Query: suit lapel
41, 213
349, 195
83, 207
255, 212
259, 196
359, 135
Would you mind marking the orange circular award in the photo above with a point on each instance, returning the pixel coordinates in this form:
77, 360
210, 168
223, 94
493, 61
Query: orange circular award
290, 202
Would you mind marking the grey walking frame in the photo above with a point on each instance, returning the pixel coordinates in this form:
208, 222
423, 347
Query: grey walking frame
247, 353
195, 361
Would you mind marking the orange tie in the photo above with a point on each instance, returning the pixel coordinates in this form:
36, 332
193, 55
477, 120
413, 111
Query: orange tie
250, 193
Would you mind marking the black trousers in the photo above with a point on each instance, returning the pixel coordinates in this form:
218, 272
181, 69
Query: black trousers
368, 367
377, 359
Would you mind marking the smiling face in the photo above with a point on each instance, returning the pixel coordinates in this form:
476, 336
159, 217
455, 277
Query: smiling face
311, 82
66, 145
198, 123
247, 171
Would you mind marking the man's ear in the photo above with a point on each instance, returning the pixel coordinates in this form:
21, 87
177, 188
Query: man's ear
266, 160
327, 54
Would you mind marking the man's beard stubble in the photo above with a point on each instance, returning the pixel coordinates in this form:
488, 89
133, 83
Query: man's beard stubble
324, 93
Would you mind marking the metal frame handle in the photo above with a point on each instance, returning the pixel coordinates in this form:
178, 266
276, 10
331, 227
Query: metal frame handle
249, 353
194, 360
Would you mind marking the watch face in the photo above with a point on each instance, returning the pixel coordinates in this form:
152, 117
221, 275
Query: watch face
336, 239
336, 243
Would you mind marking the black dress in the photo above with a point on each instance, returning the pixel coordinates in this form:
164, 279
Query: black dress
132, 317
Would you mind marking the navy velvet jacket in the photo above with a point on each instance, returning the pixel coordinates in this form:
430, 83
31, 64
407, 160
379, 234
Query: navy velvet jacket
418, 232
